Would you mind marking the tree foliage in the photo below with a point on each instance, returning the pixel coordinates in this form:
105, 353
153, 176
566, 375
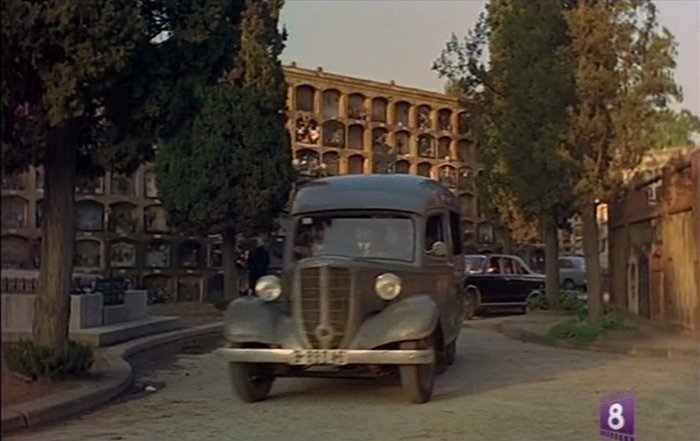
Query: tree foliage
520, 95
623, 78
623, 75
675, 129
94, 84
233, 171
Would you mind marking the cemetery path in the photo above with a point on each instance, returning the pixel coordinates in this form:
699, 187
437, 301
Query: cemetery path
498, 389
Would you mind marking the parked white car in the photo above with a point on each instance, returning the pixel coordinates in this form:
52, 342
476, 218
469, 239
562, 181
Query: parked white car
572, 273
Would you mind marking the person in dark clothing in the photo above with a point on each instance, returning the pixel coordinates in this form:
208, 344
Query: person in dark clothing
258, 262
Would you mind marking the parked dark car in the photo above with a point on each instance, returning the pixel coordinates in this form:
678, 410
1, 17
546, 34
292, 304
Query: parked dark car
372, 283
496, 281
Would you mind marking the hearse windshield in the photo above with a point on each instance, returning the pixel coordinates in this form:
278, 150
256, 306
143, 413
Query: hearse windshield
370, 236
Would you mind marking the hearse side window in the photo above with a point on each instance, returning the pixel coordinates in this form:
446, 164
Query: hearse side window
454, 234
434, 231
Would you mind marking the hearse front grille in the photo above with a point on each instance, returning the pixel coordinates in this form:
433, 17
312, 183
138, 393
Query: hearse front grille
325, 303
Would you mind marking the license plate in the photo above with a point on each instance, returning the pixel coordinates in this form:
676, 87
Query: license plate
320, 356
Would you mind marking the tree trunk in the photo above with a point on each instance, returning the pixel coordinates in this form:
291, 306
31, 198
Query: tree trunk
551, 259
52, 300
230, 271
591, 251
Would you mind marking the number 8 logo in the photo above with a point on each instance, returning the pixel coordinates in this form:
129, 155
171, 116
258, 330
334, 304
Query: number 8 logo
616, 420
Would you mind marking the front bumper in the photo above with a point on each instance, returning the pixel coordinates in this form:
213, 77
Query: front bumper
349, 356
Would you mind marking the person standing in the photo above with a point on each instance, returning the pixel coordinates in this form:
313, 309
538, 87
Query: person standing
258, 262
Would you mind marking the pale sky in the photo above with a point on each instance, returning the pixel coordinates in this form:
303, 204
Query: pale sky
398, 40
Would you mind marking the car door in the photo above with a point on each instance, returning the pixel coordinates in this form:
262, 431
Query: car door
512, 281
438, 270
456, 304
493, 289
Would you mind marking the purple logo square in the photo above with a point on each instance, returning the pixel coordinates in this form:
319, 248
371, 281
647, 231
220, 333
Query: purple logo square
617, 417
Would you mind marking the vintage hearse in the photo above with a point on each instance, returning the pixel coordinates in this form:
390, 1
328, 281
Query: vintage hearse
371, 284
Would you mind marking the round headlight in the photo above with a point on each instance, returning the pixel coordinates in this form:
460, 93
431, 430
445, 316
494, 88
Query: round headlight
268, 288
388, 286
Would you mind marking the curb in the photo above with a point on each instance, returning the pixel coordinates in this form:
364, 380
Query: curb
513, 331
116, 376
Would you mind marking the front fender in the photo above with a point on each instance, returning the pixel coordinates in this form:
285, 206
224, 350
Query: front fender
411, 318
251, 320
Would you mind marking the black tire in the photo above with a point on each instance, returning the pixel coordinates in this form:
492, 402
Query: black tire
451, 352
569, 285
418, 380
470, 306
532, 298
250, 381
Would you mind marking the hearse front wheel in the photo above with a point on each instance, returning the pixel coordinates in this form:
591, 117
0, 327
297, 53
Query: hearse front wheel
418, 380
250, 381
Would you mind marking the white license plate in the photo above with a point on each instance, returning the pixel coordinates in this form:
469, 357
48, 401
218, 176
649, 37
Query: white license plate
320, 356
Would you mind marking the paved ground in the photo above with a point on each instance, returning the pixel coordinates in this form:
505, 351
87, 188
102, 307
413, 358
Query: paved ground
499, 389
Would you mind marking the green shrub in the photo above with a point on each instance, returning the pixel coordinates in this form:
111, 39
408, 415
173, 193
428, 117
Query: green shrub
580, 331
575, 331
564, 301
39, 362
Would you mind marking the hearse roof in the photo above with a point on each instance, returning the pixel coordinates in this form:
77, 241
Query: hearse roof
398, 192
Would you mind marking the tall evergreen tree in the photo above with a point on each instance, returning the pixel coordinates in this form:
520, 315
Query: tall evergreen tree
523, 93
623, 78
234, 173
95, 83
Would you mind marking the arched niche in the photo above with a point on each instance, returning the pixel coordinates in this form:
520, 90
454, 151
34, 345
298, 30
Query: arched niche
403, 167
88, 254
356, 107
356, 165
189, 288
444, 116
464, 151
159, 287
157, 254
189, 254
331, 103
90, 184
334, 134
424, 120
305, 98
16, 252
150, 184
447, 176
426, 146
307, 161
444, 148
401, 113
331, 161
466, 203
402, 140
123, 218
89, 216
466, 179
123, 185
14, 182
356, 137
379, 140
307, 131
463, 123
122, 254
424, 169
14, 212
379, 109
155, 219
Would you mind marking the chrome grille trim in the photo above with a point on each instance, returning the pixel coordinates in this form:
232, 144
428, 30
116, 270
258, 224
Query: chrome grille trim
323, 305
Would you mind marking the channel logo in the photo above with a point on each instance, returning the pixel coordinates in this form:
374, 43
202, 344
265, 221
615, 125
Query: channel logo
617, 417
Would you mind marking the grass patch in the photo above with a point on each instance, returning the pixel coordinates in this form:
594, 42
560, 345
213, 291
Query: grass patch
563, 302
36, 362
579, 331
